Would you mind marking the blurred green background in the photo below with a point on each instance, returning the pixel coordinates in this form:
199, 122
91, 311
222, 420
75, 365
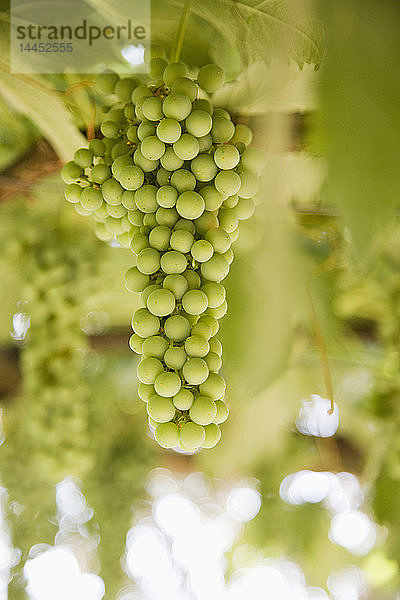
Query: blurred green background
269, 512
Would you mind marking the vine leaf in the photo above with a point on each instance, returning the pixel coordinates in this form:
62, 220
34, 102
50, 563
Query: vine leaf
47, 112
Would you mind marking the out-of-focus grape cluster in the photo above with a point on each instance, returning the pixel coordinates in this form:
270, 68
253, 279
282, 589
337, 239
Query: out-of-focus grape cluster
171, 178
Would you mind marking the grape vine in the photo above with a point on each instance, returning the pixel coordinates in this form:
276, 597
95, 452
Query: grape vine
171, 179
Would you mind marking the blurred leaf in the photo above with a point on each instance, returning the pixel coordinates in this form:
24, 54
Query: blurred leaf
46, 111
360, 113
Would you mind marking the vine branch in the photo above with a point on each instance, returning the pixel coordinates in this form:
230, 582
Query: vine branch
176, 53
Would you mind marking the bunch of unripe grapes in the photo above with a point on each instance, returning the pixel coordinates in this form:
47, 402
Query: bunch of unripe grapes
171, 178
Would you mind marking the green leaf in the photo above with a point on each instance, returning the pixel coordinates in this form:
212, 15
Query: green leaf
46, 111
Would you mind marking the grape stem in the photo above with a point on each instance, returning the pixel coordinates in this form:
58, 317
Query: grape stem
175, 55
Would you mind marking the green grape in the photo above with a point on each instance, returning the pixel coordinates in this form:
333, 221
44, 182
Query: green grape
166, 216
136, 343
231, 201
174, 71
176, 328
234, 234
214, 362
202, 329
157, 67
194, 302
71, 172
199, 123
184, 85
163, 176
214, 387
73, 192
215, 269
166, 196
132, 177
186, 225
203, 410
215, 293
203, 104
228, 182
222, 410
192, 278
112, 191
213, 435
149, 369
124, 88
183, 180
109, 129
150, 221
219, 239
117, 115
152, 424
135, 216
101, 213
228, 255
120, 163
120, 149
144, 163
226, 157
170, 161
221, 112
211, 78
181, 241
169, 130
152, 108
207, 221
210, 321
187, 147
144, 323
191, 318
132, 133
167, 384
254, 159
197, 346
202, 251
219, 311
102, 233
243, 134
154, 346
250, 184
215, 346
146, 129
213, 199
145, 391
159, 238
228, 219
152, 148
100, 173
245, 208
97, 147
128, 200
205, 143
195, 371
83, 157
83, 211
203, 167
135, 281
177, 284
115, 211
183, 400
160, 409
167, 435
222, 130
146, 199
190, 205
109, 144
161, 302
140, 93
177, 106
148, 290
106, 82
173, 262
240, 146
175, 358
139, 242
148, 261
191, 436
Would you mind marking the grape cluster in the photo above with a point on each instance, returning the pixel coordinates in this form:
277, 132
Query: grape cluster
171, 178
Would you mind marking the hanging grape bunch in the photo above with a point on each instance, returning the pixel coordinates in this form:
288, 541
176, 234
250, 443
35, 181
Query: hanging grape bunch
171, 178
